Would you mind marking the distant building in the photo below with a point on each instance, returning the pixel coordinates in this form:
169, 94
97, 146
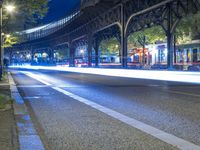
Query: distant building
186, 54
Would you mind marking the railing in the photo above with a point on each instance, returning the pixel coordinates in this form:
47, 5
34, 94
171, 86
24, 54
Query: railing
48, 29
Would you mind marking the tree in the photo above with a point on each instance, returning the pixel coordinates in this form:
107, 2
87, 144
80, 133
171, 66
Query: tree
28, 14
62, 53
144, 37
10, 40
188, 29
109, 47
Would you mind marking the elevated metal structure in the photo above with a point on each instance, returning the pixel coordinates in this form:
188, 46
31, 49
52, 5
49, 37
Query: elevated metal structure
119, 18
45, 30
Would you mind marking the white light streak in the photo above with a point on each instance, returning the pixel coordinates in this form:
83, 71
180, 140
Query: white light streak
177, 76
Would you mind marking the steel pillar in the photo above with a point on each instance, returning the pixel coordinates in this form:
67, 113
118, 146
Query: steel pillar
96, 47
51, 55
90, 45
170, 38
71, 54
1, 42
175, 49
123, 39
32, 55
10, 56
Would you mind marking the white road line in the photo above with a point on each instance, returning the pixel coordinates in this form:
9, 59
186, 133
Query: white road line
38, 78
32, 86
33, 97
166, 137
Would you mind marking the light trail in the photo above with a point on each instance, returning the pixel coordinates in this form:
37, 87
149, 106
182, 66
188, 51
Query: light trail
177, 76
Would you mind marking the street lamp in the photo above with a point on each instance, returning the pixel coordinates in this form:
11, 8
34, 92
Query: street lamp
9, 8
7, 35
82, 53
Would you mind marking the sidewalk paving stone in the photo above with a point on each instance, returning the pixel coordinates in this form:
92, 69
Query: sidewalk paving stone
8, 132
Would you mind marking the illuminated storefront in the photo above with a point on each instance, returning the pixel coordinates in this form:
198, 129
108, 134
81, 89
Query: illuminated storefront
188, 54
156, 54
152, 54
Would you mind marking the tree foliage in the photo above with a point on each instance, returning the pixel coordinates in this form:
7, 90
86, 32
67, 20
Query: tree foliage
62, 53
28, 14
146, 36
9, 41
188, 28
110, 46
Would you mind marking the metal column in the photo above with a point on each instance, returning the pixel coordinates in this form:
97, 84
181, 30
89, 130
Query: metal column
123, 39
90, 46
1, 41
72, 51
51, 55
96, 47
170, 37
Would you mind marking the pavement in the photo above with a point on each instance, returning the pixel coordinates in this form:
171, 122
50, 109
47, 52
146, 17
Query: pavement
82, 111
17, 131
27, 134
8, 130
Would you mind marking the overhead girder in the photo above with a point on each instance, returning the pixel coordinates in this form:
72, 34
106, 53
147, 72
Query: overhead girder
147, 20
61, 46
108, 33
98, 23
128, 15
152, 16
158, 14
133, 8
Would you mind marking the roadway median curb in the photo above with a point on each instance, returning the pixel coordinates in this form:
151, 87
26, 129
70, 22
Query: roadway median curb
28, 136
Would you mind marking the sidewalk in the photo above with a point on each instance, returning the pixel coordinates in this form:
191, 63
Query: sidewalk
8, 130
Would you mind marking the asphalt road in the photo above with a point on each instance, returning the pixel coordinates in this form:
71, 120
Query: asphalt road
65, 123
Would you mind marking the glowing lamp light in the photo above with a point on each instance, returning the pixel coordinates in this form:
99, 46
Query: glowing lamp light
81, 51
10, 8
8, 35
28, 56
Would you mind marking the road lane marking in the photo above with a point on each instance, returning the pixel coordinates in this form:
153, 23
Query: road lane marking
45, 86
32, 97
159, 134
32, 86
38, 78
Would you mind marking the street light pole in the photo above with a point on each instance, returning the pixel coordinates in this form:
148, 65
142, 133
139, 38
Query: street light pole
9, 8
1, 50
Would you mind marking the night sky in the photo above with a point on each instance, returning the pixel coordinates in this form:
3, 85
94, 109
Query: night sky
59, 9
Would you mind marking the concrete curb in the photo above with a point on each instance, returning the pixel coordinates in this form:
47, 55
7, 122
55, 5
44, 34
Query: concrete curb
28, 136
